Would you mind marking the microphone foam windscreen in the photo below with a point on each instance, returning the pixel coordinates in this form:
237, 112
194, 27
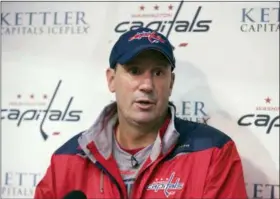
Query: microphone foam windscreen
75, 195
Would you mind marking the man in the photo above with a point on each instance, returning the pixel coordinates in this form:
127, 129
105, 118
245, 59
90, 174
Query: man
137, 147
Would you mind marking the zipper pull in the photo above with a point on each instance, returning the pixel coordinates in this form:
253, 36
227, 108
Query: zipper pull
102, 182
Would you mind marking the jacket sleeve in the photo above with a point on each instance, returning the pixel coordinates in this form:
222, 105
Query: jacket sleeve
45, 189
225, 178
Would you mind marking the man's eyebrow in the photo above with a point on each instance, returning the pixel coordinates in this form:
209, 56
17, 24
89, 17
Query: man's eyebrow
130, 64
164, 63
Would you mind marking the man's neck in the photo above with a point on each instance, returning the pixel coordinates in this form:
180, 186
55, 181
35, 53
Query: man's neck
132, 136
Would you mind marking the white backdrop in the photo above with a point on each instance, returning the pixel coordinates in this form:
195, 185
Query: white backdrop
55, 55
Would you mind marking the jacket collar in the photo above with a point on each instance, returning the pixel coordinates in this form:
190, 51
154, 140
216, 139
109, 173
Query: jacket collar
101, 134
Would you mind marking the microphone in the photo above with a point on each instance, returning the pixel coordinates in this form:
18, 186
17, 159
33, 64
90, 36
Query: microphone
76, 194
134, 162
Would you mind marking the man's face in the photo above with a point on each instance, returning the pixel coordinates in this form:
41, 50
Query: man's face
142, 86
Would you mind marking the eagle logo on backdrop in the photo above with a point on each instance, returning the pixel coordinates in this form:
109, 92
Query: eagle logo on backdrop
152, 36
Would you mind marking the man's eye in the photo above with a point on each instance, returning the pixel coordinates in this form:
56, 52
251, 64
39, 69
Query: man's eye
158, 73
134, 70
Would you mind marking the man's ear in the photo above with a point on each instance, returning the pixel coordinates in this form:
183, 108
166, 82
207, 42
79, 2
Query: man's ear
172, 82
110, 75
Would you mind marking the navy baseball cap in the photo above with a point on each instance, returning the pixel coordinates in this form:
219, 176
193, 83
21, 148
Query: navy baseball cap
133, 42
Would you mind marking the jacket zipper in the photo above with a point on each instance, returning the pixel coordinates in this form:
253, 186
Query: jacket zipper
142, 171
132, 188
111, 178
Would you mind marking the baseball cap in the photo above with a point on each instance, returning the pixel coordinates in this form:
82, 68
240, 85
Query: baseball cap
133, 42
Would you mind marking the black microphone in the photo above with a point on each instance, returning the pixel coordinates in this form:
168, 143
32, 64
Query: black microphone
75, 195
134, 162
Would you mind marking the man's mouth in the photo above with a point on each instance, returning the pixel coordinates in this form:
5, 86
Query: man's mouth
145, 102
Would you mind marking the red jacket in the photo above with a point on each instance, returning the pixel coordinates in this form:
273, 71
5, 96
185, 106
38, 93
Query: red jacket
192, 160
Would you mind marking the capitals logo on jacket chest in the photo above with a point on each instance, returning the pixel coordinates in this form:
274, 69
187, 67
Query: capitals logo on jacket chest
169, 186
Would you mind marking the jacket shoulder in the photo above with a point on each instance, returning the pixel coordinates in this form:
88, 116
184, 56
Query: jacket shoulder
199, 136
70, 147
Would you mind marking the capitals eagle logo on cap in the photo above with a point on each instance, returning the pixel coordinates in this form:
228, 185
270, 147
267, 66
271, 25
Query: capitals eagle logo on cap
153, 37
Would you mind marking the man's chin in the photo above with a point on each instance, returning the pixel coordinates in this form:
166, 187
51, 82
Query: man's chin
142, 120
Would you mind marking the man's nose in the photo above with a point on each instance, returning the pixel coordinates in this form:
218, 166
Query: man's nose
146, 84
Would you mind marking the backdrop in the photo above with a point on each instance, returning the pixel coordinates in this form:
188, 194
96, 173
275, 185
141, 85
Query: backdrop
54, 57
